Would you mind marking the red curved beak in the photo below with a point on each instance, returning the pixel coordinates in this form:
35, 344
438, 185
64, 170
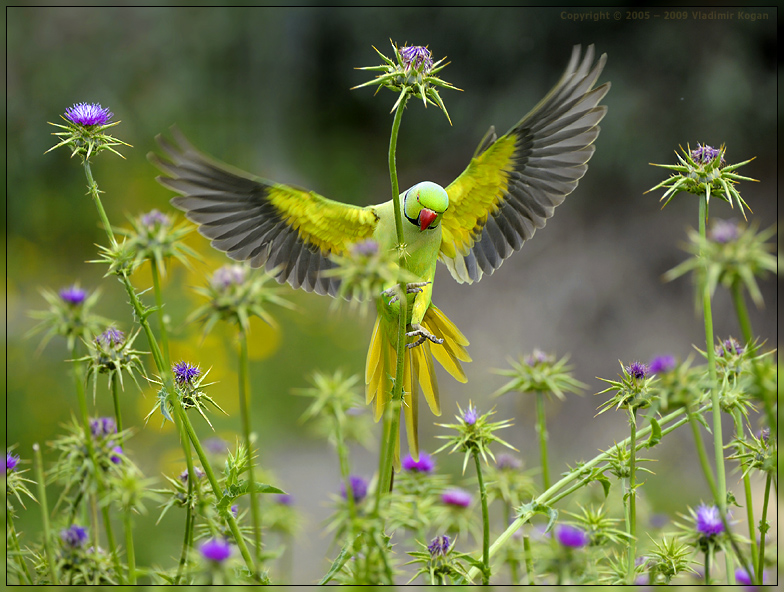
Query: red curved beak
426, 218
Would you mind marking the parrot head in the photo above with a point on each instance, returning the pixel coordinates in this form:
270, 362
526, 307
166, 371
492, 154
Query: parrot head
424, 204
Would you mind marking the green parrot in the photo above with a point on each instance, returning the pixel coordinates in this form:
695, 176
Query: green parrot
509, 189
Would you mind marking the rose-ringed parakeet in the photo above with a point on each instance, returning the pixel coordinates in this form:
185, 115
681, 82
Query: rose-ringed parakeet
509, 189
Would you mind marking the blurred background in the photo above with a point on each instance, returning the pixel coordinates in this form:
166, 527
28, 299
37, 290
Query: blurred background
267, 90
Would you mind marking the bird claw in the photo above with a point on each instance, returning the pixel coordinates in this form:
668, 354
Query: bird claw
413, 288
423, 335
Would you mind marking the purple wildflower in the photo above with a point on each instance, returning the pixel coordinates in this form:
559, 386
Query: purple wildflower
235, 510
456, 497
730, 346
708, 522
537, 357
366, 248
11, 460
571, 536
764, 435
155, 218
73, 295
215, 445
742, 577
662, 364
227, 276
88, 114
416, 57
285, 499
439, 546
116, 457
507, 462
425, 464
184, 475
359, 488
110, 338
184, 372
705, 154
74, 537
102, 426
215, 550
470, 415
724, 231
637, 370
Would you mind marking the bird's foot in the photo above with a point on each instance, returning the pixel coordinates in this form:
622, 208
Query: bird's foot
414, 288
422, 335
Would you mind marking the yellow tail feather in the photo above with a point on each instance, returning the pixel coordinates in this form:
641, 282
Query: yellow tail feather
418, 369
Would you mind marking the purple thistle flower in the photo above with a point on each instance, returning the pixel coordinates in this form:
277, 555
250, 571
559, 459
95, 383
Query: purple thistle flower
764, 435
708, 522
102, 426
116, 458
74, 537
11, 460
705, 154
662, 364
215, 445
425, 464
730, 346
571, 536
215, 550
637, 369
184, 475
227, 276
285, 499
537, 357
235, 510
415, 57
439, 546
724, 231
470, 415
88, 114
456, 497
73, 295
359, 488
507, 462
742, 577
365, 248
110, 338
155, 218
184, 372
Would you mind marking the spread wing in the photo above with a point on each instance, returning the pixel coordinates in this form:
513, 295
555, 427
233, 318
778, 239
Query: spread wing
266, 223
513, 183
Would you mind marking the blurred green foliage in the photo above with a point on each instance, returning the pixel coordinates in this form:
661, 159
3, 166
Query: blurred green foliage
267, 90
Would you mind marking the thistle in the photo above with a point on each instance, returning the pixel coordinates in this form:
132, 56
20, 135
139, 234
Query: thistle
632, 391
111, 353
439, 562
154, 236
235, 294
703, 171
189, 389
539, 372
84, 131
410, 72
69, 315
729, 255
475, 433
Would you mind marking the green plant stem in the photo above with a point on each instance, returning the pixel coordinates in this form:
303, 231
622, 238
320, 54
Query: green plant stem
130, 552
529, 561
485, 522
186, 538
632, 496
116, 400
156, 286
345, 471
740, 436
541, 430
708, 554
702, 454
392, 412
763, 530
39, 477
244, 392
92, 187
718, 440
548, 496
14, 547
